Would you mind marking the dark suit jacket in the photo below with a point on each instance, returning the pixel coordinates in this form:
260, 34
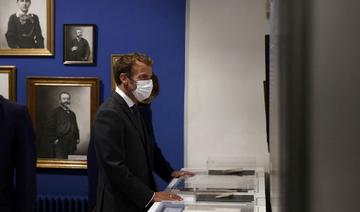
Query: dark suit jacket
17, 159
158, 163
123, 151
61, 125
83, 51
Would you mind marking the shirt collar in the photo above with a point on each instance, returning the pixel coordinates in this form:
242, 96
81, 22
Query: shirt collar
19, 13
127, 99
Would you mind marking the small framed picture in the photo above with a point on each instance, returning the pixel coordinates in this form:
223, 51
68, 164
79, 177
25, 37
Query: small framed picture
27, 28
8, 82
79, 44
114, 58
62, 110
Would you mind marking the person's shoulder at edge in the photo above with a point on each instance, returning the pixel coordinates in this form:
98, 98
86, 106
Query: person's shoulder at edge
13, 108
112, 104
11, 105
108, 103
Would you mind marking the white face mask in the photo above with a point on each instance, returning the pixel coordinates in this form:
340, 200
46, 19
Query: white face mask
143, 89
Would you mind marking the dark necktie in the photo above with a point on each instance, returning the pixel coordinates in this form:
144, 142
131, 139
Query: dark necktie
137, 119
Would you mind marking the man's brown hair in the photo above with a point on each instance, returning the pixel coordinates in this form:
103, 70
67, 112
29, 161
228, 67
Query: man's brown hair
125, 62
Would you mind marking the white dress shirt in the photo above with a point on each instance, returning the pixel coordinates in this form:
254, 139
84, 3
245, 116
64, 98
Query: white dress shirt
127, 99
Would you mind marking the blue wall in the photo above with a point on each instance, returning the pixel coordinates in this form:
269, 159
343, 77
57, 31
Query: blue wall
155, 27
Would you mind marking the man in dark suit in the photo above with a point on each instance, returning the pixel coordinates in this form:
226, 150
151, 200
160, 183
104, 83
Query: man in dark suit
61, 129
124, 149
17, 159
79, 48
158, 162
24, 29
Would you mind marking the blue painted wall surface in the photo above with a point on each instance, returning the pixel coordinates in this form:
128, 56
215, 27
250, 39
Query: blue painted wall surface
155, 27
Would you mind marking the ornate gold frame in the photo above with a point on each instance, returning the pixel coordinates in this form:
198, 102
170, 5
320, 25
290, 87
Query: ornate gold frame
11, 71
49, 50
34, 82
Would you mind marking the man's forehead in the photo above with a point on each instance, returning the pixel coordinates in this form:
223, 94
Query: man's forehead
139, 63
64, 95
141, 67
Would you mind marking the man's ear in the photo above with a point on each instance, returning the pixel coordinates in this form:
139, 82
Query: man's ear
123, 79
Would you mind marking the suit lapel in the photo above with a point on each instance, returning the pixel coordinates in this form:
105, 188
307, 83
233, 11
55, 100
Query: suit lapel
139, 123
143, 134
131, 117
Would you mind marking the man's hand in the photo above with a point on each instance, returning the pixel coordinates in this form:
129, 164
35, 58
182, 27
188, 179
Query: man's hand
74, 48
177, 174
163, 196
56, 141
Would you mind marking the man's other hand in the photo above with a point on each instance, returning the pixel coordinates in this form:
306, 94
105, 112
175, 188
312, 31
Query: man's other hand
177, 174
166, 196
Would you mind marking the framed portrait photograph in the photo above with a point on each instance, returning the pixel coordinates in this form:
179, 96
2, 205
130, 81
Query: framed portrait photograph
79, 44
114, 58
62, 110
8, 82
27, 28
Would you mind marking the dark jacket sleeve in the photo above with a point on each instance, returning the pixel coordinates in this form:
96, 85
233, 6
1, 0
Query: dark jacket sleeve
161, 166
110, 152
92, 174
25, 163
12, 32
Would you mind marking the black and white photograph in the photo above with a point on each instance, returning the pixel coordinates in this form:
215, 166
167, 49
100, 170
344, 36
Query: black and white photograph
26, 27
79, 44
8, 82
62, 111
